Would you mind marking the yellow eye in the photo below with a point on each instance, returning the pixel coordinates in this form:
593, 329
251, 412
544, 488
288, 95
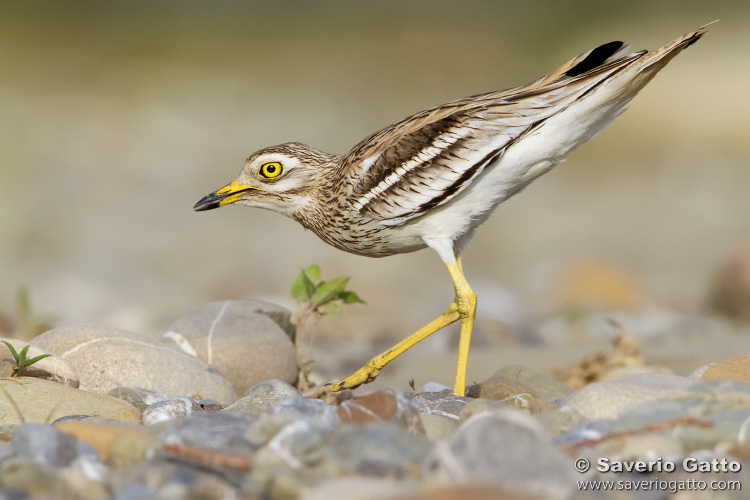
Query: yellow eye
271, 169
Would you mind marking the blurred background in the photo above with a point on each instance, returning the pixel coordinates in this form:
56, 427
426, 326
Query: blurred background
116, 117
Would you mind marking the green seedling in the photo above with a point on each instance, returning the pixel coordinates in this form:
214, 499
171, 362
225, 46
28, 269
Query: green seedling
315, 299
20, 359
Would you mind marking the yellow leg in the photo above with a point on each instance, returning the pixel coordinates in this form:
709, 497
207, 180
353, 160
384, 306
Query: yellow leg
370, 371
462, 308
466, 304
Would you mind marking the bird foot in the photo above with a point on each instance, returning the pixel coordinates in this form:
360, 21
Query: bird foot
364, 375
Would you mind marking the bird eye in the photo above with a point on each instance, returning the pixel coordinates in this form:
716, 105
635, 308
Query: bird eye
271, 169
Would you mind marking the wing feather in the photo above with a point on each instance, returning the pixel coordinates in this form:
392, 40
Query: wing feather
401, 172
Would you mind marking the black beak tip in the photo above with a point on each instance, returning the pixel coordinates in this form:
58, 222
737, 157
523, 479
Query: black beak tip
207, 203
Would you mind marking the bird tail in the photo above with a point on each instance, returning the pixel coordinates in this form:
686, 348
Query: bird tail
616, 53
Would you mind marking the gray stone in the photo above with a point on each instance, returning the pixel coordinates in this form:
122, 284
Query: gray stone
291, 410
219, 430
381, 406
560, 420
29, 400
303, 407
298, 443
480, 405
159, 479
708, 414
117, 442
436, 387
359, 488
170, 409
610, 399
376, 449
23, 478
440, 403
106, 358
272, 386
247, 340
519, 386
261, 397
140, 398
502, 447
649, 445
50, 368
437, 427
543, 386
590, 430
46, 445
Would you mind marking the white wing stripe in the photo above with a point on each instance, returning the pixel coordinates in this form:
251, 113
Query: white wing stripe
440, 144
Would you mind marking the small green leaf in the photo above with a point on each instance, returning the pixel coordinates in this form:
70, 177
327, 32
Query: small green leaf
334, 308
350, 297
329, 290
299, 289
313, 272
310, 284
12, 350
21, 361
33, 360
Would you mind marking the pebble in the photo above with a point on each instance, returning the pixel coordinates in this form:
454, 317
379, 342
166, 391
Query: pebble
296, 444
291, 410
261, 397
170, 409
481, 405
48, 446
247, 340
170, 480
519, 386
115, 441
106, 358
381, 406
443, 404
377, 449
22, 479
608, 400
140, 398
737, 368
51, 368
508, 448
359, 488
25, 400
437, 427
384, 444
559, 420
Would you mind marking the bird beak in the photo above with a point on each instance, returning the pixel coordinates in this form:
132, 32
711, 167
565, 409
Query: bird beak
224, 196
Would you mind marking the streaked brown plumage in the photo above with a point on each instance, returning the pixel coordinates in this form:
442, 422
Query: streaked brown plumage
432, 178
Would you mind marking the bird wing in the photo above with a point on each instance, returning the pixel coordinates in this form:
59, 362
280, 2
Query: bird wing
401, 172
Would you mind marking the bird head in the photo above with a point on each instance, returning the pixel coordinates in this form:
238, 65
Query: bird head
281, 178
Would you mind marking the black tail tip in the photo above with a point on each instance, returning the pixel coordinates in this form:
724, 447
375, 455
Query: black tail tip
595, 58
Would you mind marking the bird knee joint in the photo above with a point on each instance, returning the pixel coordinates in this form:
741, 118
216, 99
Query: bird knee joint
467, 304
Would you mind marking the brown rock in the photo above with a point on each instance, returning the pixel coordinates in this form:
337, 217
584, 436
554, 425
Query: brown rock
381, 406
118, 443
737, 368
